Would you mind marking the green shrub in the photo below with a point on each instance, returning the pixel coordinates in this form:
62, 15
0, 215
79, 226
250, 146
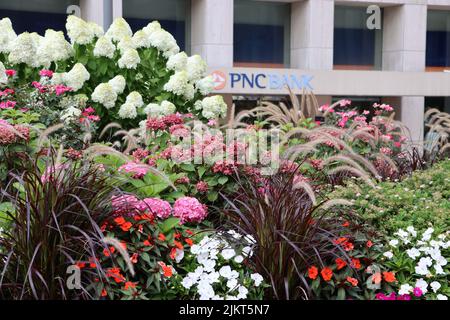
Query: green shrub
421, 200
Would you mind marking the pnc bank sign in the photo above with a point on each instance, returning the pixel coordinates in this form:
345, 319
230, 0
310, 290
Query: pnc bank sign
239, 79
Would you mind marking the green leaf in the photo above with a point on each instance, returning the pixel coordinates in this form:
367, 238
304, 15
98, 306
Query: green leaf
341, 294
212, 196
223, 180
169, 224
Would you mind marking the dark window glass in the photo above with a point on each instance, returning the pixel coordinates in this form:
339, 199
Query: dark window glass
438, 39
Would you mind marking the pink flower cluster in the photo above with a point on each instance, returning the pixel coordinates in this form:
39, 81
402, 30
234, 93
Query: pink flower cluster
156, 207
10, 72
6, 92
189, 210
136, 169
125, 205
202, 186
52, 172
59, 89
10, 134
46, 73
8, 104
225, 167
88, 115
393, 296
156, 124
140, 154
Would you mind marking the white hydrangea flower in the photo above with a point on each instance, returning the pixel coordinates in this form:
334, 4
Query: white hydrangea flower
152, 27
127, 111
405, 289
257, 278
141, 40
96, 29
205, 86
54, 47
177, 83
38, 60
164, 42
196, 68
3, 76
189, 92
213, 107
135, 99
227, 254
435, 286
160, 110
177, 62
130, 59
104, 94
118, 30
57, 78
79, 31
7, 35
23, 49
104, 48
76, 77
125, 43
118, 83
70, 114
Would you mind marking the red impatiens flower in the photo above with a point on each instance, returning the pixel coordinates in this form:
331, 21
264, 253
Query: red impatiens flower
104, 293
189, 242
80, 265
147, 243
134, 258
348, 246
346, 224
356, 263
369, 244
167, 270
178, 244
340, 263
389, 277
352, 281
126, 226
376, 278
119, 221
107, 252
129, 285
326, 273
161, 237
313, 272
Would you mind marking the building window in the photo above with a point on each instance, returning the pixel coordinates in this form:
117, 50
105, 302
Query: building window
355, 46
173, 15
438, 39
261, 33
36, 15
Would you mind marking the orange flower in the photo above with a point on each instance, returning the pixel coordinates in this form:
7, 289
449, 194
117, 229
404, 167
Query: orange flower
107, 252
126, 226
326, 273
389, 276
123, 245
80, 265
177, 235
356, 263
348, 246
129, 285
147, 243
104, 293
353, 281
341, 240
120, 221
134, 258
346, 224
162, 237
313, 272
340, 263
173, 253
189, 232
140, 228
189, 242
376, 278
115, 274
178, 244
167, 270
369, 244
92, 263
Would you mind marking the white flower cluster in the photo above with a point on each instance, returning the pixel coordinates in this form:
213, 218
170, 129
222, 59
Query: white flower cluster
129, 59
3, 76
178, 83
214, 278
104, 48
212, 107
7, 35
53, 47
129, 109
118, 30
161, 39
70, 114
76, 77
118, 84
105, 94
160, 110
196, 68
24, 49
82, 32
177, 62
426, 252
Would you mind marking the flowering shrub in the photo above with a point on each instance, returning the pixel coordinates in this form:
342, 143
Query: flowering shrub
119, 72
420, 261
217, 270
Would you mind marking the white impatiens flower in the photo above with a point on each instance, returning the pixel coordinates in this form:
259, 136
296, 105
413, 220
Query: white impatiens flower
242, 292
7, 35
127, 111
422, 284
205, 86
141, 40
257, 278
76, 77
177, 62
177, 83
118, 30
227, 254
232, 284
435, 286
23, 49
129, 59
196, 68
3, 76
53, 48
405, 289
104, 48
393, 242
441, 297
412, 231
388, 254
135, 99
187, 282
413, 253
79, 31
212, 107
225, 272
238, 259
118, 83
104, 94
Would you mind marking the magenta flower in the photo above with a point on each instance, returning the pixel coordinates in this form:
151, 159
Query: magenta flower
417, 292
189, 210
155, 206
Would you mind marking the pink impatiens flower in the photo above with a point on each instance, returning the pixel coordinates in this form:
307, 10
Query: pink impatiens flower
189, 210
46, 73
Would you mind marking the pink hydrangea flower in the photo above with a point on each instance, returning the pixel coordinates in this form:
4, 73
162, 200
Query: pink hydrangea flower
137, 170
189, 210
179, 131
125, 204
202, 186
157, 207
182, 180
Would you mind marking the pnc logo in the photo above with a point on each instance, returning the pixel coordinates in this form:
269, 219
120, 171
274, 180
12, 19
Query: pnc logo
220, 80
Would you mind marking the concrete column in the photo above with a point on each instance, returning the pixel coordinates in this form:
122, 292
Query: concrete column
116, 8
93, 11
404, 49
312, 29
212, 31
